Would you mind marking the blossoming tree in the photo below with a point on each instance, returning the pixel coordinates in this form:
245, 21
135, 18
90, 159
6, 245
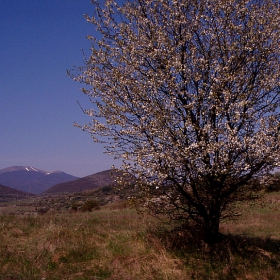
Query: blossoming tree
187, 93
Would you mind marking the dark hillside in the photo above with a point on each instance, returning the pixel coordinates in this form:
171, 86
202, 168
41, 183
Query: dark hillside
10, 194
94, 181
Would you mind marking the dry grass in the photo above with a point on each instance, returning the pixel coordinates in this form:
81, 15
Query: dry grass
114, 243
105, 244
259, 218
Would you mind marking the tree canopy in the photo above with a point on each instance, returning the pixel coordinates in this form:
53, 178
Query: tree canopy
186, 92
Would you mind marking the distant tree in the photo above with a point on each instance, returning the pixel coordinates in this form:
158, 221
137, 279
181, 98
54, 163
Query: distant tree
187, 93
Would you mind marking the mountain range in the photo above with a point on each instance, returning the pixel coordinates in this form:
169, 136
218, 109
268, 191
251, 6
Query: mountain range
32, 180
26, 180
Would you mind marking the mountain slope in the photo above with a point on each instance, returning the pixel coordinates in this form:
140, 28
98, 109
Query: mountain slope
32, 180
97, 180
10, 194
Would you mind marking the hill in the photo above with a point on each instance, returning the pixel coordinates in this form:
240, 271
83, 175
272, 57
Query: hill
32, 180
94, 181
10, 194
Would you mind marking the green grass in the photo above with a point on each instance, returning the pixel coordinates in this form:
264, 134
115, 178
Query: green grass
113, 243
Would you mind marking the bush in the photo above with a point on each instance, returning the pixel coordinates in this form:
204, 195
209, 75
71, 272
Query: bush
42, 210
89, 205
274, 183
107, 189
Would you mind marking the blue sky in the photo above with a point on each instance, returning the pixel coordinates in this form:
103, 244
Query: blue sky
39, 41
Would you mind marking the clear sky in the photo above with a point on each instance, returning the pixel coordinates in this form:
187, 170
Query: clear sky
39, 41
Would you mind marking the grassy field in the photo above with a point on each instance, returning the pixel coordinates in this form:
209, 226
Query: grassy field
118, 243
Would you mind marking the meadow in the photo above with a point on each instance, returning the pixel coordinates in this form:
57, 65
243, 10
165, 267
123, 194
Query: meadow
117, 242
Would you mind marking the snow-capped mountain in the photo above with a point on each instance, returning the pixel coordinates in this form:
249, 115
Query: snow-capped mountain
20, 168
32, 180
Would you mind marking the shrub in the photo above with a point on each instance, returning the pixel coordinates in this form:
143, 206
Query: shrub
89, 205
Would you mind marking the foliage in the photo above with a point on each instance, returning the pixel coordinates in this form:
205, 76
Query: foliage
273, 182
187, 94
107, 189
42, 210
89, 205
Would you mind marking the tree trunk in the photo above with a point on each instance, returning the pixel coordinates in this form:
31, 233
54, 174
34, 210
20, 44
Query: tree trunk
212, 233
212, 226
